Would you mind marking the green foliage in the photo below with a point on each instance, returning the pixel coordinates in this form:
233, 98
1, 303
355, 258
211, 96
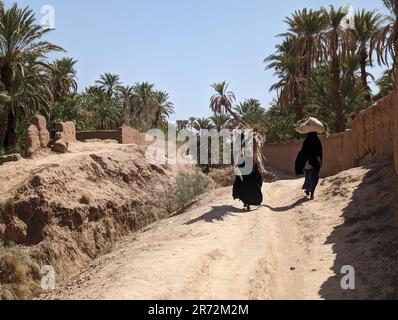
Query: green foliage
8, 245
221, 121
322, 66
186, 188
24, 70
251, 112
280, 125
30, 84
386, 84
203, 124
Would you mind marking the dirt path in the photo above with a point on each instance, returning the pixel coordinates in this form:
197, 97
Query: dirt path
218, 251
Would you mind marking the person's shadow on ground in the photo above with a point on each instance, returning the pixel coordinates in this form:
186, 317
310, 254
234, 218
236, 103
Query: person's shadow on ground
289, 207
218, 213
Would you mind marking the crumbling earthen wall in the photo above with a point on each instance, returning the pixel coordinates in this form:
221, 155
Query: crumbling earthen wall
66, 131
38, 137
373, 138
124, 135
127, 135
97, 135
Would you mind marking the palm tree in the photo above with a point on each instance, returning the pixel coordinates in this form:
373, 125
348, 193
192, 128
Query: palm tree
283, 50
223, 100
125, 96
106, 114
203, 124
191, 121
251, 111
366, 28
164, 108
63, 78
22, 68
279, 123
291, 83
220, 121
336, 46
109, 83
244, 107
182, 125
305, 33
143, 97
322, 102
72, 109
104, 109
387, 42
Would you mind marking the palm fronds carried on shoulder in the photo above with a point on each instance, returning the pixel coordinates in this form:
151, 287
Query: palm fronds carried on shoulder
221, 103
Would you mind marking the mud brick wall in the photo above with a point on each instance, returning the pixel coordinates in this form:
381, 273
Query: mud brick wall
372, 138
124, 135
127, 135
37, 136
66, 131
99, 135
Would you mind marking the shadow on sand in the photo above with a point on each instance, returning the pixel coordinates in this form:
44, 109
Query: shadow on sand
368, 238
217, 214
287, 208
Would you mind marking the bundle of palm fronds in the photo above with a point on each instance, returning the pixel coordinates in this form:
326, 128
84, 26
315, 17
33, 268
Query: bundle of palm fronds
222, 102
260, 140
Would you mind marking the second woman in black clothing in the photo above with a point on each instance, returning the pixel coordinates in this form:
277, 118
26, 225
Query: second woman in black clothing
310, 161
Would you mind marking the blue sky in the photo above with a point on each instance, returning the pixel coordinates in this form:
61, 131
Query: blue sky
180, 45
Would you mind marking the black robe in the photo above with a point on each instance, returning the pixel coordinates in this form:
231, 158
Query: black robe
249, 190
311, 152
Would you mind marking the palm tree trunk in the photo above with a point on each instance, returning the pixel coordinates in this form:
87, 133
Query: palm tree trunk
339, 114
340, 125
237, 117
299, 111
157, 119
364, 73
8, 119
395, 60
3, 127
10, 140
298, 106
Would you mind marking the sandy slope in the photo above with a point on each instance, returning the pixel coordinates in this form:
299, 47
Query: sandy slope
287, 249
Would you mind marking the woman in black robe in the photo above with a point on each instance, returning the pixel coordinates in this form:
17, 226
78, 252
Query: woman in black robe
309, 161
247, 187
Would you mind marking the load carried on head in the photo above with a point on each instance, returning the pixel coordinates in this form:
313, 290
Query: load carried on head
310, 125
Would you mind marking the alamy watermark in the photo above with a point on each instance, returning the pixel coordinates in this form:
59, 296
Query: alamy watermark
48, 280
348, 280
209, 147
47, 20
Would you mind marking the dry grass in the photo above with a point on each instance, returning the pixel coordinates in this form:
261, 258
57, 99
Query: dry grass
222, 177
16, 274
12, 270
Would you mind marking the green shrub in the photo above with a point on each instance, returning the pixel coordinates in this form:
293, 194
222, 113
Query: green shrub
22, 130
185, 189
8, 245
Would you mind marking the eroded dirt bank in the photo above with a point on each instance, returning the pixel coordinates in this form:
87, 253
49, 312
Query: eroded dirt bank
287, 249
65, 210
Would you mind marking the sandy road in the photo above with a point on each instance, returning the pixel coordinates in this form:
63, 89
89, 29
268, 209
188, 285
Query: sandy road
219, 251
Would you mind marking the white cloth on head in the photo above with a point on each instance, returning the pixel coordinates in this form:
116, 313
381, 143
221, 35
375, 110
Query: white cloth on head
311, 125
